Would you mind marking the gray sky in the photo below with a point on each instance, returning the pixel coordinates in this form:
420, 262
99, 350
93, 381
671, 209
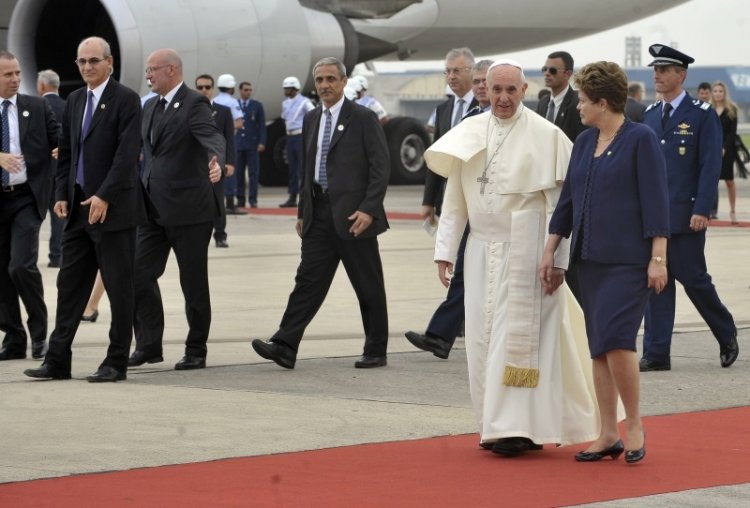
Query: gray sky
714, 32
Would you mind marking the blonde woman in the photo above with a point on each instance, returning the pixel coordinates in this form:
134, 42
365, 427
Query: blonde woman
727, 111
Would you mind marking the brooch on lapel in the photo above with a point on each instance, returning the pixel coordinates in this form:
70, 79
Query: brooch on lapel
213, 113
25, 114
340, 128
176, 105
102, 106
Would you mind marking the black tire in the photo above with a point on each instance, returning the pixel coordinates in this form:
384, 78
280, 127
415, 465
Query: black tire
273, 167
407, 141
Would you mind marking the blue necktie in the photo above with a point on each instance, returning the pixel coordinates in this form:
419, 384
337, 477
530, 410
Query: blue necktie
84, 130
322, 174
5, 148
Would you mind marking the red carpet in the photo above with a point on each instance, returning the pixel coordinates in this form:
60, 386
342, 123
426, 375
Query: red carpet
684, 451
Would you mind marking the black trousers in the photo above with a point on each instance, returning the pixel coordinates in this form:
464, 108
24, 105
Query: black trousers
322, 249
19, 274
190, 245
87, 249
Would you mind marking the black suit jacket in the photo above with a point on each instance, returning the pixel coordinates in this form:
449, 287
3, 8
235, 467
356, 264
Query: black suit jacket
358, 168
634, 110
38, 132
176, 162
567, 118
57, 104
110, 154
434, 184
225, 123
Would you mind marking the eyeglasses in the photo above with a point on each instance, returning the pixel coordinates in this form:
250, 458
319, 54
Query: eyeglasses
204, 87
456, 70
91, 61
552, 70
151, 70
476, 82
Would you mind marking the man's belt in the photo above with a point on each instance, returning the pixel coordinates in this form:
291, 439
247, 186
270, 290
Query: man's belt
17, 187
294, 132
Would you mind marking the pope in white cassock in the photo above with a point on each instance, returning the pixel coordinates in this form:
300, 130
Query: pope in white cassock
529, 367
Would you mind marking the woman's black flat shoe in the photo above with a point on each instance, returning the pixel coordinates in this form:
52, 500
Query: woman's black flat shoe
91, 318
636, 455
613, 451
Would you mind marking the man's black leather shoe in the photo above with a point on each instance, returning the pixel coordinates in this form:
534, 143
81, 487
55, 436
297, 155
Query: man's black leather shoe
278, 352
430, 343
139, 358
648, 366
12, 355
729, 352
106, 374
513, 446
190, 362
221, 243
45, 372
38, 349
369, 362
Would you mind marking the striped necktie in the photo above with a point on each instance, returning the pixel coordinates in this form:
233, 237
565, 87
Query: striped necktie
5, 148
324, 144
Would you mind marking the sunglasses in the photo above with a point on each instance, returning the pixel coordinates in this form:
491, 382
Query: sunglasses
204, 87
552, 70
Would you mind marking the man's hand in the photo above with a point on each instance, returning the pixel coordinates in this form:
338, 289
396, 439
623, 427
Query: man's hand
214, 170
427, 212
230, 169
98, 210
698, 222
261, 147
550, 277
11, 162
445, 272
361, 220
298, 227
61, 209
55, 152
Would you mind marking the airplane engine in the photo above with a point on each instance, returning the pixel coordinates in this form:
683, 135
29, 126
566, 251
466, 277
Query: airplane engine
259, 40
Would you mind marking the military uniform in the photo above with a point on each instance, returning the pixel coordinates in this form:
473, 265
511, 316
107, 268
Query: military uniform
690, 138
252, 134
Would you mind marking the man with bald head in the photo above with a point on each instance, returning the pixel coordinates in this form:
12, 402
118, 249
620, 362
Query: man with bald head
505, 170
97, 190
184, 154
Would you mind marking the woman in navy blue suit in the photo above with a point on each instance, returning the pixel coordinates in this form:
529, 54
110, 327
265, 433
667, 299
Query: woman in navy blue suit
615, 203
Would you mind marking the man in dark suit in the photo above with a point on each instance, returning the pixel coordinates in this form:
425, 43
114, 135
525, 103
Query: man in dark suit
183, 153
97, 189
251, 141
691, 141
345, 176
47, 85
29, 133
634, 108
561, 107
447, 320
225, 123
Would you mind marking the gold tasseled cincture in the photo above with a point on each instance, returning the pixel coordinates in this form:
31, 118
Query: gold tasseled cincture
520, 377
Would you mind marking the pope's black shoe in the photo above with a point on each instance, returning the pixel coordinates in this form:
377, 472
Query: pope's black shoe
648, 366
38, 349
369, 362
513, 446
276, 351
46, 372
189, 362
430, 343
106, 374
140, 357
729, 352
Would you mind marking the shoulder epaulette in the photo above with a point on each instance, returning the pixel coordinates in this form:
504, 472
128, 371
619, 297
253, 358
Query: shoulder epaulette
705, 106
652, 106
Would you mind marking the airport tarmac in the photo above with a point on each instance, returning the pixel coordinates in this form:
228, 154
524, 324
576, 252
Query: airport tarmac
242, 405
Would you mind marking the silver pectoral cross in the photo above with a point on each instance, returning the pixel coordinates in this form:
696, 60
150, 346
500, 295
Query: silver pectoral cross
483, 180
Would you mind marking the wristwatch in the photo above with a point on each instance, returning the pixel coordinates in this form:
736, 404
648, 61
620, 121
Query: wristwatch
659, 260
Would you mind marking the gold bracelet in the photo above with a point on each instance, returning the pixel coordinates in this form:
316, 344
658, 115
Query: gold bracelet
659, 260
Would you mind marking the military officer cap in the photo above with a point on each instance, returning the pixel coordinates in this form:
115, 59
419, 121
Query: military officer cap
664, 55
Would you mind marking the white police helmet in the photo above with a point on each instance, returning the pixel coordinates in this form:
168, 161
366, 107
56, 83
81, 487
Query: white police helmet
291, 82
350, 92
362, 82
226, 81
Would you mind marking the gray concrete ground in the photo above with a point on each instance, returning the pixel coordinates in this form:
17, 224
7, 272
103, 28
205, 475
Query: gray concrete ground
242, 405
